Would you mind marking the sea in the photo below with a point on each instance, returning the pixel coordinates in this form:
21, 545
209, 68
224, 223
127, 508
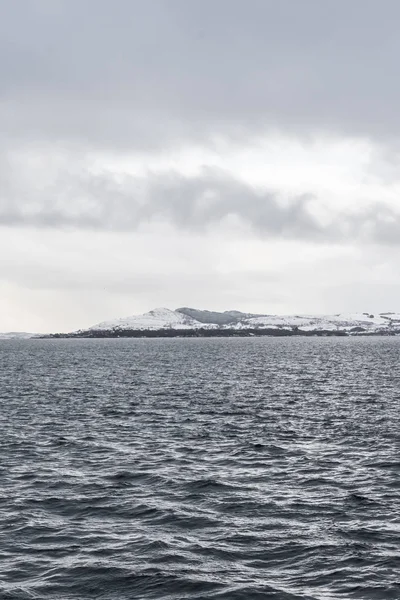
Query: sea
230, 469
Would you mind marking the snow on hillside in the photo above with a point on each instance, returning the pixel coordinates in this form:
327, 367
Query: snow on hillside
345, 322
164, 318
159, 318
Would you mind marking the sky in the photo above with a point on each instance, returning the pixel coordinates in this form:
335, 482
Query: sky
219, 154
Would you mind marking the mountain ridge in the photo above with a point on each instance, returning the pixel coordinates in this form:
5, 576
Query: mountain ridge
186, 318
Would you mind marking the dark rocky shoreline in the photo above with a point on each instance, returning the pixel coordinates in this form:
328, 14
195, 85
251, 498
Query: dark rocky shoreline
215, 333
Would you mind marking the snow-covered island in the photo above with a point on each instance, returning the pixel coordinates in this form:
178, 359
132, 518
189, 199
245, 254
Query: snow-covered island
190, 322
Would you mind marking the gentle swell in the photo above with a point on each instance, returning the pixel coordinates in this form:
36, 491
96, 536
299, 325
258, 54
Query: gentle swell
193, 469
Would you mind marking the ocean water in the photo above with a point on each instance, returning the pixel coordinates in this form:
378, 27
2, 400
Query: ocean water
200, 468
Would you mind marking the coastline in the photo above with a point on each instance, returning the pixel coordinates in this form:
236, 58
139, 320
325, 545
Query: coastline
214, 333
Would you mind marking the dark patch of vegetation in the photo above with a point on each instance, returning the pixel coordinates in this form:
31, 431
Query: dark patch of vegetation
199, 333
229, 317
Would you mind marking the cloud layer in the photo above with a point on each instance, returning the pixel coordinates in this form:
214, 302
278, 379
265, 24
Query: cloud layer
152, 74
108, 202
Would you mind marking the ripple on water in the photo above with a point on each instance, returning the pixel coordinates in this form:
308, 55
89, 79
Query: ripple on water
189, 469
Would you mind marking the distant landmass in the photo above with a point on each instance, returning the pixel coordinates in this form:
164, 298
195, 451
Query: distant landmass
17, 335
191, 322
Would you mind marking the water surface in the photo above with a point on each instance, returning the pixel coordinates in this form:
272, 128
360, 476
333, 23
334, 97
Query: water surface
200, 468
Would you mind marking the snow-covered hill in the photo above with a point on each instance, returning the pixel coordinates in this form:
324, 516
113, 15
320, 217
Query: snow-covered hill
189, 318
159, 318
344, 322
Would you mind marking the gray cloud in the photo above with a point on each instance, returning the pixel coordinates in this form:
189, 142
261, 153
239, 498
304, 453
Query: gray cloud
78, 199
143, 74
100, 202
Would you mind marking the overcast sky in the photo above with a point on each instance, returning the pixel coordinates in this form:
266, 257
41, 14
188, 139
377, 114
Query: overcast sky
220, 154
